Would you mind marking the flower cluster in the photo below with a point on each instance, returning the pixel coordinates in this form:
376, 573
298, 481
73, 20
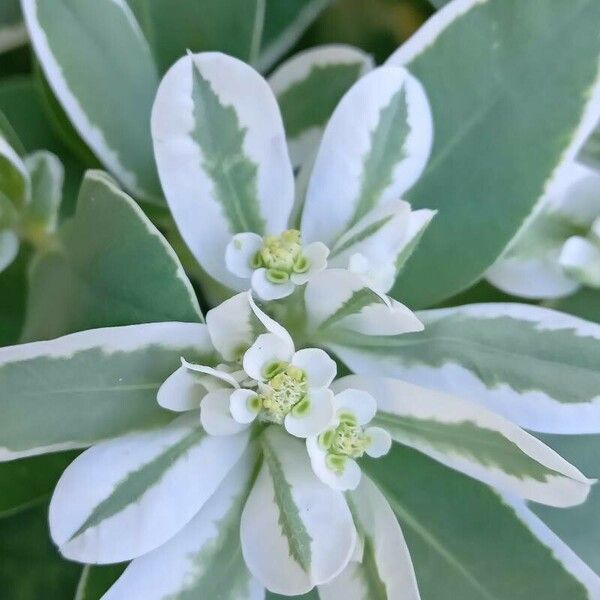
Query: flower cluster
272, 383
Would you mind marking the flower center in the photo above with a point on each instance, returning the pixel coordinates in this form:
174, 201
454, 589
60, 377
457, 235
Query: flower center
286, 391
281, 256
347, 440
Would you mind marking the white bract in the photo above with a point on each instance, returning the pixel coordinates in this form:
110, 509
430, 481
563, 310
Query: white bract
560, 249
222, 156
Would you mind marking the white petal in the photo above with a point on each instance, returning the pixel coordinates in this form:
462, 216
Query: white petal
238, 406
317, 253
348, 479
271, 325
9, 248
361, 404
381, 441
294, 541
581, 259
181, 391
240, 251
319, 367
127, 496
215, 415
267, 348
317, 417
266, 290
380, 319
217, 373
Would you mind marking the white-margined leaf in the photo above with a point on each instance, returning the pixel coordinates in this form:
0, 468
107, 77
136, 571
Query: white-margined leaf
222, 158
309, 86
106, 86
535, 366
284, 24
340, 299
47, 176
76, 390
109, 266
172, 28
296, 531
374, 148
496, 107
386, 237
204, 560
385, 570
127, 496
578, 527
471, 439
530, 267
465, 540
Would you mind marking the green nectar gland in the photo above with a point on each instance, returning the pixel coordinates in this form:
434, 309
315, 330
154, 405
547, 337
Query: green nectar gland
281, 256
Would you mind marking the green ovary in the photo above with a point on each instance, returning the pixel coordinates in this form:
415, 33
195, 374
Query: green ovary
287, 390
281, 256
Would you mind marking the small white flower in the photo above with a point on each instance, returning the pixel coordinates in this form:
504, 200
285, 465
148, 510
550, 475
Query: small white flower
270, 382
274, 264
333, 452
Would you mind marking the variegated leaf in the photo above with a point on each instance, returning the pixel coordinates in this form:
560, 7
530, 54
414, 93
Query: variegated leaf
535, 366
579, 526
111, 266
47, 176
89, 386
106, 86
221, 154
147, 487
531, 267
340, 299
309, 86
284, 24
204, 560
495, 104
296, 531
467, 542
374, 148
471, 439
383, 569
